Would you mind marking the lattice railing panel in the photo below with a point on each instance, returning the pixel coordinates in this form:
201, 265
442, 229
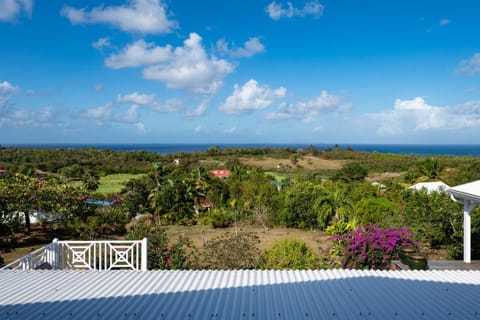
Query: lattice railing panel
86, 255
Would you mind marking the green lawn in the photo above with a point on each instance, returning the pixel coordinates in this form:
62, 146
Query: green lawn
114, 183
111, 184
279, 177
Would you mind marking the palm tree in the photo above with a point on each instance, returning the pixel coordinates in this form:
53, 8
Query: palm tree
333, 205
430, 167
160, 198
91, 181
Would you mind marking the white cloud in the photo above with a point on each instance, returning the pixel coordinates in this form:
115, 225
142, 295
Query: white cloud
310, 110
106, 114
251, 97
26, 118
137, 54
6, 91
416, 115
231, 130
143, 16
98, 87
149, 100
11, 9
23, 117
171, 105
141, 127
444, 22
199, 110
469, 66
200, 129
250, 48
276, 11
191, 69
137, 98
102, 43
131, 116
99, 114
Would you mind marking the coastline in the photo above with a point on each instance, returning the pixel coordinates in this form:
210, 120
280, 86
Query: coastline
169, 148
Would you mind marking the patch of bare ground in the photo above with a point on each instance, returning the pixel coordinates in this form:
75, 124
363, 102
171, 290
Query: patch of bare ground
383, 176
307, 162
201, 234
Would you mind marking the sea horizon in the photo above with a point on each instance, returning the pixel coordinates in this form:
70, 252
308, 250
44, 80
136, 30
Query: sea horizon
170, 148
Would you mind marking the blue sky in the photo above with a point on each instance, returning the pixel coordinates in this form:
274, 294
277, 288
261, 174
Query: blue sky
250, 71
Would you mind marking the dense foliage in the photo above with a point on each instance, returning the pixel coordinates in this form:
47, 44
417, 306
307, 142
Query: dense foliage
162, 254
178, 189
289, 254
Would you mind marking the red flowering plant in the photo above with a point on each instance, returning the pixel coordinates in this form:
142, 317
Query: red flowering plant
370, 247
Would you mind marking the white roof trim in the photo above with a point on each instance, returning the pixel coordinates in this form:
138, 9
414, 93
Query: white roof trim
469, 191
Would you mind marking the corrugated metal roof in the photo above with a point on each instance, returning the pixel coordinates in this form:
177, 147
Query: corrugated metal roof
319, 294
470, 191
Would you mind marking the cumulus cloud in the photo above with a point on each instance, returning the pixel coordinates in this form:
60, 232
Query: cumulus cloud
250, 97
106, 114
143, 16
101, 43
10, 116
137, 54
309, 110
250, 48
417, 115
11, 9
469, 66
150, 101
191, 69
137, 98
99, 114
276, 11
199, 110
26, 118
6, 91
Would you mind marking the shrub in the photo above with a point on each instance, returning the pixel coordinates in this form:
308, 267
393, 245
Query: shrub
161, 253
351, 172
214, 218
230, 251
370, 247
289, 254
376, 210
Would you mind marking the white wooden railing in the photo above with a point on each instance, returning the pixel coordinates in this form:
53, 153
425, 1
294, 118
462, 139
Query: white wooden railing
86, 255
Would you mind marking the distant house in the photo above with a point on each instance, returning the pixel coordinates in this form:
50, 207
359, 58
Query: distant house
380, 186
176, 162
205, 204
3, 172
429, 187
221, 173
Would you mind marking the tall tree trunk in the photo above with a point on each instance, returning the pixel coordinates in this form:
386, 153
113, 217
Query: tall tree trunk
27, 222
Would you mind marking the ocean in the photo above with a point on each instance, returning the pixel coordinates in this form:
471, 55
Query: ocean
416, 149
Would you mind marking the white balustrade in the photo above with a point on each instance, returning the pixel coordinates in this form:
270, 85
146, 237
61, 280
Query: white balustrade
86, 255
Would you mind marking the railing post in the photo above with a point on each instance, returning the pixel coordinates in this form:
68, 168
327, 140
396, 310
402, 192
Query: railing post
144, 255
55, 254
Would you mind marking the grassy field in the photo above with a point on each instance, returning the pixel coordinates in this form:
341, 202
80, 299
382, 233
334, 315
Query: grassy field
111, 184
114, 183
